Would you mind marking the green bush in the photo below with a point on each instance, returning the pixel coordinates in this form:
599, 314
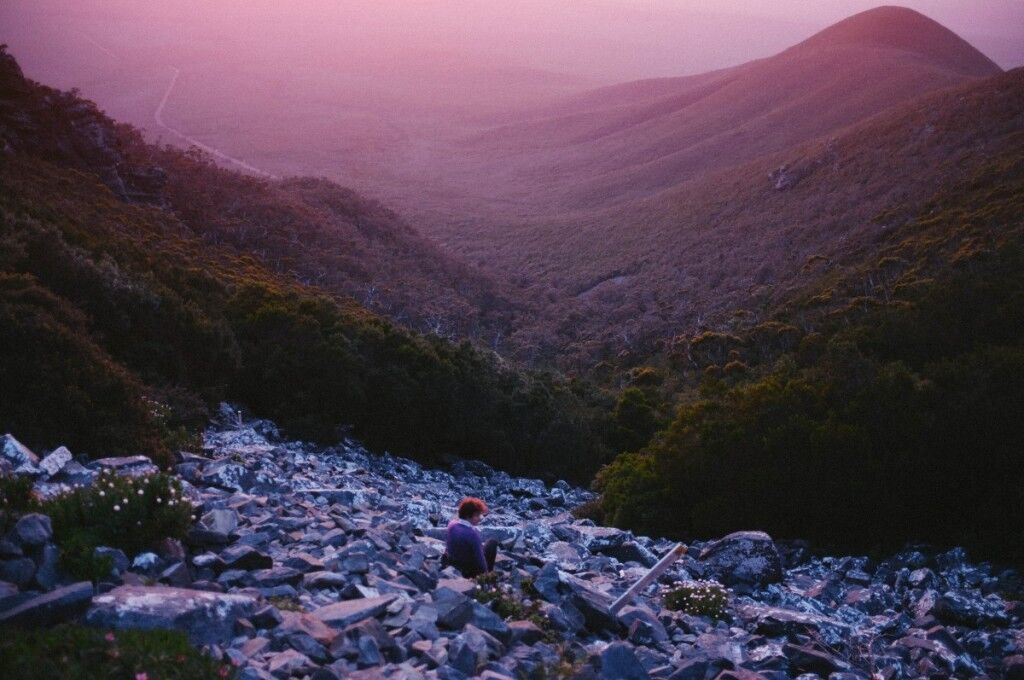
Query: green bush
698, 598
80, 653
132, 514
15, 499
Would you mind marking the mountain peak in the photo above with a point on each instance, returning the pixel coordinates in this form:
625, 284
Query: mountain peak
901, 28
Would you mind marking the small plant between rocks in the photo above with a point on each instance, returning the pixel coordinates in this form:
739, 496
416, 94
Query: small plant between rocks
511, 602
698, 598
78, 652
286, 603
15, 499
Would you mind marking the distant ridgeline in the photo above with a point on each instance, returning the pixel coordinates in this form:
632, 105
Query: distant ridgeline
884, 403
130, 300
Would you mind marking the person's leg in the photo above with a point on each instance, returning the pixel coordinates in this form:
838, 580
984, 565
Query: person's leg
490, 553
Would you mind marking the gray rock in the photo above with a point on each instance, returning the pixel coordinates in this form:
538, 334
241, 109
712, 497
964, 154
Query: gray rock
275, 576
289, 663
803, 659
127, 466
629, 615
206, 617
304, 562
367, 639
594, 607
619, 662
176, 575
146, 561
344, 614
471, 649
7, 590
489, 622
47, 574
55, 461
229, 475
33, 530
744, 558
303, 642
324, 579
118, 560
241, 556
18, 571
454, 610
221, 520
50, 608
20, 457
525, 632
267, 617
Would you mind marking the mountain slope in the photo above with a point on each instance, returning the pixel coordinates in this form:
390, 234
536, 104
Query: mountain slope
621, 143
121, 320
310, 229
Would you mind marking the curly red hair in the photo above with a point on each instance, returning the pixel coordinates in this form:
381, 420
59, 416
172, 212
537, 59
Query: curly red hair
470, 506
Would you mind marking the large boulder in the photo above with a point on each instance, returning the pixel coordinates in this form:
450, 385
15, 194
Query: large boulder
206, 617
744, 560
33, 530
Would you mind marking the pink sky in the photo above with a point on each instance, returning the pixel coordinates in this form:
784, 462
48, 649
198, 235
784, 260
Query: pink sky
608, 40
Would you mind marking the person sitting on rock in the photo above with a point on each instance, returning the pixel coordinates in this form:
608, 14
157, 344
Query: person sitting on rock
465, 549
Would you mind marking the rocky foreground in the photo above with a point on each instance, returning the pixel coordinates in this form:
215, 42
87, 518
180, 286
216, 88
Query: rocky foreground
325, 563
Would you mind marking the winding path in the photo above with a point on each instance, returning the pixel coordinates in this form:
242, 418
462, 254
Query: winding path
158, 116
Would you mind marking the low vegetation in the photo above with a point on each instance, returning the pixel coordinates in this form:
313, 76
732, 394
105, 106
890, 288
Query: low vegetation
132, 514
80, 653
698, 598
895, 419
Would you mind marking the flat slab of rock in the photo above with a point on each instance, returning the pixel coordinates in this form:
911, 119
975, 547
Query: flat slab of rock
345, 613
206, 617
127, 466
50, 608
55, 461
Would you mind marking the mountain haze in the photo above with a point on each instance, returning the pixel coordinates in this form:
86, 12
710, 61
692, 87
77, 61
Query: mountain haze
624, 142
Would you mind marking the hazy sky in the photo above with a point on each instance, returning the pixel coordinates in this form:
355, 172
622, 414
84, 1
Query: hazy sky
604, 39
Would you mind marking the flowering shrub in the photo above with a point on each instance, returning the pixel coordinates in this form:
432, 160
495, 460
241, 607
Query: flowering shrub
77, 652
132, 514
700, 598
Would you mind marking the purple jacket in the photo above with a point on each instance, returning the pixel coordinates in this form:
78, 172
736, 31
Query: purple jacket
465, 549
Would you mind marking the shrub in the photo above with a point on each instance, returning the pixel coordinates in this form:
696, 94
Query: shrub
132, 514
77, 653
698, 598
15, 499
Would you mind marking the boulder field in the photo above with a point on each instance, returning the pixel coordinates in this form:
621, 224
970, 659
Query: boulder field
325, 563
